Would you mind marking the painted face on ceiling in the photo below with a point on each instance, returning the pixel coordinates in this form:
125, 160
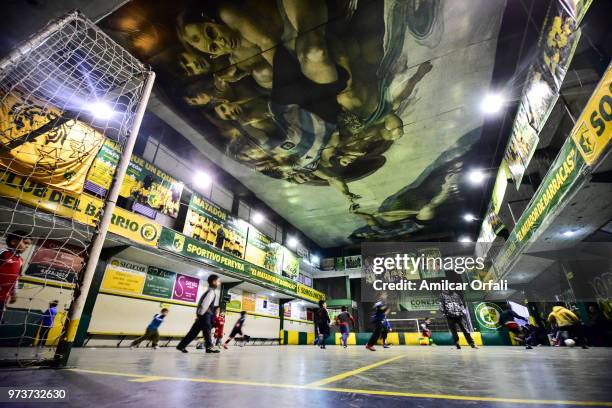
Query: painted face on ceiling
211, 38
228, 111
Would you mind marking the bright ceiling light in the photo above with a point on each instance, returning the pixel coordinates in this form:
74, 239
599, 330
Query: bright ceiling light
465, 239
101, 110
257, 218
469, 217
569, 233
476, 176
201, 273
202, 179
272, 294
492, 103
314, 259
292, 242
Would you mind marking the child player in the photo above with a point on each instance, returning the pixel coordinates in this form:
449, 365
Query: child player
218, 323
152, 330
11, 263
425, 331
342, 320
237, 329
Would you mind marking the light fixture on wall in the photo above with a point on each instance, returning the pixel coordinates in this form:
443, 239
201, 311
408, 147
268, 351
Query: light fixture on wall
465, 238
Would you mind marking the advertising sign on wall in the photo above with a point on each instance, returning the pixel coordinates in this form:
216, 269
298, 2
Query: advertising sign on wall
56, 260
249, 301
159, 283
487, 316
186, 288
124, 276
144, 183
291, 264
262, 251
352, 262
209, 223
593, 129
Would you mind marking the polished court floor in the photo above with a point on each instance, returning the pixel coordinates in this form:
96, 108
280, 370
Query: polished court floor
271, 376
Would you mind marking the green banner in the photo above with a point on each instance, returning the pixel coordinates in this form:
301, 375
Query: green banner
192, 248
159, 283
562, 175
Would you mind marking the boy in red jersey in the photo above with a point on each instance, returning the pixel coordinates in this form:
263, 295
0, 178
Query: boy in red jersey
11, 263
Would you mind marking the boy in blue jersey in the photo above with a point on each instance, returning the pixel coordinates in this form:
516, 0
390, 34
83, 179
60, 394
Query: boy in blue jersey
46, 324
152, 331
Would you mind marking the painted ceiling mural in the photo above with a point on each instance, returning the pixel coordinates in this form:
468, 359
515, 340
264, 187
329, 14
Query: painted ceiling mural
351, 118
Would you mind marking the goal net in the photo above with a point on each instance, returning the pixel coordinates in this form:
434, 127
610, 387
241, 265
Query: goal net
66, 92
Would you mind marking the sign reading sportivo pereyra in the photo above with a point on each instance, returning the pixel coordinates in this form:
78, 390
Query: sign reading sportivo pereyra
192, 248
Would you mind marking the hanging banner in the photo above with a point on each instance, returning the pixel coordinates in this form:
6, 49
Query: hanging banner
562, 175
56, 260
521, 146
44, 144
593, 128
556, 46
209, 223
291, 264
124, 276
499, 188
149, 188
557, 43
262, 251
159, 283
576, 8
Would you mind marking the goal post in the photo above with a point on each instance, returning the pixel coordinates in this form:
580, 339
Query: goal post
64, 93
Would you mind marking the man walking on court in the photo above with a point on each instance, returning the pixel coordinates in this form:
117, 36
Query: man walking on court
452, 308
204, 318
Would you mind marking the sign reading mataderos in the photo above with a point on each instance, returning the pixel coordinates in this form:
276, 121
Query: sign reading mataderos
178, 243
593, 128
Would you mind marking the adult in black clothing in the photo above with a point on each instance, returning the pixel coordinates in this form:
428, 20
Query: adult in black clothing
452, 308
204, 318
323, 322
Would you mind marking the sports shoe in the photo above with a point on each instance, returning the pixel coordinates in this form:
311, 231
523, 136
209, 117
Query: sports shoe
210, 350
386, 346
458, 347
371, 348
224, 346
182, 350
528, 347
155, 347
473, 346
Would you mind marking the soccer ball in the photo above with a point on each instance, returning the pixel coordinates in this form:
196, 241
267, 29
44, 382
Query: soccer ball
569, 342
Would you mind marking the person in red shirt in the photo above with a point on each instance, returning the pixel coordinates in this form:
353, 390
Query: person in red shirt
218, 323
11, 263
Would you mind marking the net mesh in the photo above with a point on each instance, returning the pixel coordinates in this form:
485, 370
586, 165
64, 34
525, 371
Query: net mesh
63, 94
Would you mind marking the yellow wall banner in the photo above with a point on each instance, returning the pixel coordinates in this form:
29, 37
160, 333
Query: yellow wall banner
310, 293
593, 129
82, 208
38, 142
123, 276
